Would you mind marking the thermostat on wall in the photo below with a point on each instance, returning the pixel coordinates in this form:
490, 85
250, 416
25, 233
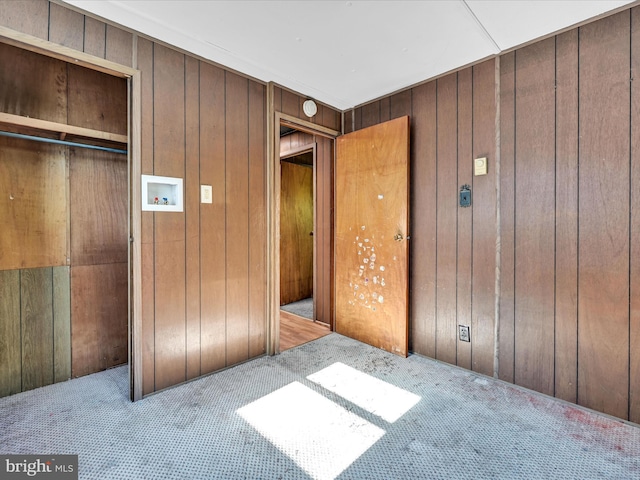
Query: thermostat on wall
480, 166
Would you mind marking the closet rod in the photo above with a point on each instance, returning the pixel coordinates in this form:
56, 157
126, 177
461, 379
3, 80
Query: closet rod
61, 142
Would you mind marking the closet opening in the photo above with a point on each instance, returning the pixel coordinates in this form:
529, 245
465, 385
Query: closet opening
66, 268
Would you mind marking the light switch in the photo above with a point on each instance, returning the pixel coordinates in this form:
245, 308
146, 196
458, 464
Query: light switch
480, 166
206, 194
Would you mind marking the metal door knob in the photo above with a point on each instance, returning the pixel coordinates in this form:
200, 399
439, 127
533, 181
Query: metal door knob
398, 237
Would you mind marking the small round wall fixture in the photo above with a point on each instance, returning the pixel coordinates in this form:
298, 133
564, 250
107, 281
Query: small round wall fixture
309, 108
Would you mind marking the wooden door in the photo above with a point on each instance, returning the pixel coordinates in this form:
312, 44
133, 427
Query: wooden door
296, 229
372, 220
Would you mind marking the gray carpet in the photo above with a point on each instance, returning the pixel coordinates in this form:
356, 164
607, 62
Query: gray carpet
302, 308
332, 408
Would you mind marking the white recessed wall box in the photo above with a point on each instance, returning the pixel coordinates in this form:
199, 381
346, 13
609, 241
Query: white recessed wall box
162, 194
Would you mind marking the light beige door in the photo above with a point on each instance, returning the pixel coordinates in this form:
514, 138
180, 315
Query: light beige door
371, 231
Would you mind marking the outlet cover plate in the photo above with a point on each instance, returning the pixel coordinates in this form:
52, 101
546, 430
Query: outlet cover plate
464, 333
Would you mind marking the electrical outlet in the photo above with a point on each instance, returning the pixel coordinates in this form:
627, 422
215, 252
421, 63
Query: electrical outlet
464, 333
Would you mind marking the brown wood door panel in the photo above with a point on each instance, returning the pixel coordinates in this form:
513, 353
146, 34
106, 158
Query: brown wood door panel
296, 225
372, 207
99, 317
33, 205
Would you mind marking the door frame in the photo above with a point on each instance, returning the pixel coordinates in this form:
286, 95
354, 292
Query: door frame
134, 94
309, 147
274, 120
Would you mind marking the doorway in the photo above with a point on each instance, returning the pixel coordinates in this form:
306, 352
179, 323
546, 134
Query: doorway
303, 172
298, 322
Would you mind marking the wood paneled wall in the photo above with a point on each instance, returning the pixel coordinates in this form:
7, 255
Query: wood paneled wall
203, 270
570, 180
35, 334
568, 313
452, 249
296, 229
568, 320
66, 207
99, 259
291, 104
204, 292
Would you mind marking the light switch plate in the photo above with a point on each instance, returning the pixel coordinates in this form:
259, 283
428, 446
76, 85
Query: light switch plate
480, 166
206, 194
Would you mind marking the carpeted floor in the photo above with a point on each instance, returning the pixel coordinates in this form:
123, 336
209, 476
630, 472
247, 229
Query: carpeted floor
332, 408
302, 308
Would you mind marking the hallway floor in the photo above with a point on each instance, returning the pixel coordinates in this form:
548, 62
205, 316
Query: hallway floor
332, 408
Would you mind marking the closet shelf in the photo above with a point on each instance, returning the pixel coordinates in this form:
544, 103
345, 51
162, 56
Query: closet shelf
19, 124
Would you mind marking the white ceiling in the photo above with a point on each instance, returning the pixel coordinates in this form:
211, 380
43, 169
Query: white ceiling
345, 53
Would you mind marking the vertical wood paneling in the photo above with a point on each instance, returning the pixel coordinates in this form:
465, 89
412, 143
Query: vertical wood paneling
603, 288
119, 46
98, 207
634, 330
446, 231
99, 317
26, 16
36, 307
465, 215
145, 65
566, 271
385, 109
94, 37
290, 103
33, 179
169, 160
507, 217
62, 324
237, 226
320, 285
535, 222
296, 224
348, 120
277, 98
192, 209
357, 113
331, 118
179, 138
257, 220
400, 104
10, 348
423, 220
66, 27
97, 100
212, 219
325, 237
484, 219
370, 114
35, 86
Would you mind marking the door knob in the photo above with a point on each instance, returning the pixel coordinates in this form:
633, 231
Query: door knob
398, 237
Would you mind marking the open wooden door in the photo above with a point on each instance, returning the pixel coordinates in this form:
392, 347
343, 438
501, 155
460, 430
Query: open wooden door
371, 232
